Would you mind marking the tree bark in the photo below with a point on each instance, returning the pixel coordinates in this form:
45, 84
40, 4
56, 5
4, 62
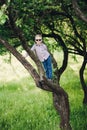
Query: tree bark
62, 106
82, 80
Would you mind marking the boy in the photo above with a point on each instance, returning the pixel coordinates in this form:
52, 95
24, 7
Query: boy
44, 56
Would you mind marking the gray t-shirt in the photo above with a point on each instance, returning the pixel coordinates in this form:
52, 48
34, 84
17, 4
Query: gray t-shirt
41, 51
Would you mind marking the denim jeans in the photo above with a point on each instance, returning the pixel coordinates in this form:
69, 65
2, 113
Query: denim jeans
48, 67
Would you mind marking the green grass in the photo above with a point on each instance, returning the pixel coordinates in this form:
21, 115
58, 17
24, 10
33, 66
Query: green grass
78, 113
25, 107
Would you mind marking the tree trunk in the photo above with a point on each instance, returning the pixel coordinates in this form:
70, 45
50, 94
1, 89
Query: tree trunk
62, 106
84, 87
85, 97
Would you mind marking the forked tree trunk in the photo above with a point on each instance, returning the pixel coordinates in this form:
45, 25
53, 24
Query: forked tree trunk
60, 97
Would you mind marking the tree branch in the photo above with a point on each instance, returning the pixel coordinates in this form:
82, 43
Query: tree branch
78, 12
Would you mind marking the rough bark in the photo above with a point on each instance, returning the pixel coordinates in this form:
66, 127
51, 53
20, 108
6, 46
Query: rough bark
61, 104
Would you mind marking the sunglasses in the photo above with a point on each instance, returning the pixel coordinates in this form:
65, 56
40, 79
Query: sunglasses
38, 39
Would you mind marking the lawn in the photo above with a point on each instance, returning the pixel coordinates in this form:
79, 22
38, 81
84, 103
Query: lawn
25, 107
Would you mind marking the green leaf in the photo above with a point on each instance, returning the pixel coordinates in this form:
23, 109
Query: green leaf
3, 16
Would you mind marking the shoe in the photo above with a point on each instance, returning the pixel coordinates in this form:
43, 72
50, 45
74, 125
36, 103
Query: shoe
49, 79
41, 83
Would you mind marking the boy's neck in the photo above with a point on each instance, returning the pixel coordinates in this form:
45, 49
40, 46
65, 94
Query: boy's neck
39, 44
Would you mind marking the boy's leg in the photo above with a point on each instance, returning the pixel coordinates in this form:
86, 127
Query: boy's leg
46, 69
49, 67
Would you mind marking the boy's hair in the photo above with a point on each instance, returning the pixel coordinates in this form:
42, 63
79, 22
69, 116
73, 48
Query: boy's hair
39, 35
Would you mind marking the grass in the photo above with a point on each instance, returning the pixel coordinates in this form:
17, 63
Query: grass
25, 107
78, 113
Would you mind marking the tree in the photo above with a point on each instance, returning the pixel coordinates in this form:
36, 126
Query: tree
54, 20
60, 97
82, 16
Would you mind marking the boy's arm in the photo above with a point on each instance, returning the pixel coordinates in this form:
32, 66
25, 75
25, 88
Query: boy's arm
33, 48
25, 54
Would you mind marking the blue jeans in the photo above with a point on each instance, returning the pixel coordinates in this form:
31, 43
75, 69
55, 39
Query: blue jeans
48, 67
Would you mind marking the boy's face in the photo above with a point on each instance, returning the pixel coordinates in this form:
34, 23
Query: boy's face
38, 39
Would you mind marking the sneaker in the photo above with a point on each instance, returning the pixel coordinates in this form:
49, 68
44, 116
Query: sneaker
50, 80
41, 82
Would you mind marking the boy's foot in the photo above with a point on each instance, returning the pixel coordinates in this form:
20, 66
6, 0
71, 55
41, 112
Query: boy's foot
49, 79
41, 82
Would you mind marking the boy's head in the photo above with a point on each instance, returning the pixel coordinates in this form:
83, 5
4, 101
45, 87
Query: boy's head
38, 38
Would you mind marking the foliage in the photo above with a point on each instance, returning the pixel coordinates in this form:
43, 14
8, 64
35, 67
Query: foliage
83, 6
46, 17
3, 16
